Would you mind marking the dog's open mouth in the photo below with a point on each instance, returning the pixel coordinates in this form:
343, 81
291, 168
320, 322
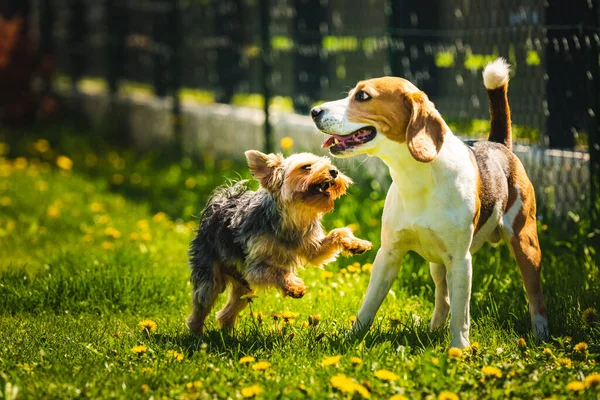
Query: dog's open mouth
322, 187
339, 143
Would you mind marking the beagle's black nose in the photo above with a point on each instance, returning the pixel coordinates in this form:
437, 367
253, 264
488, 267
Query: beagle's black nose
334, 173
315, 112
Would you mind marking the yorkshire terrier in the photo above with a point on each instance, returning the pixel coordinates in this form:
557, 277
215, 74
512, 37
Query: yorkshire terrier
250, 239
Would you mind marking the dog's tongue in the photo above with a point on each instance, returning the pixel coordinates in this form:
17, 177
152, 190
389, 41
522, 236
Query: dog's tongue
328, 142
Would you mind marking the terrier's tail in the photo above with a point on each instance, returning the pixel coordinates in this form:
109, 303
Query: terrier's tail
495, 79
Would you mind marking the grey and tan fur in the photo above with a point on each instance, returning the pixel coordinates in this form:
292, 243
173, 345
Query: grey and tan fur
250, 239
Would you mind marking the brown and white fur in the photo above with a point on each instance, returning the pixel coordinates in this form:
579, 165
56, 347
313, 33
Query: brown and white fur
250, 239
447, 197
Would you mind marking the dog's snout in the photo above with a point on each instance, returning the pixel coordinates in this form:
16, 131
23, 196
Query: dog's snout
334, 173
315, 112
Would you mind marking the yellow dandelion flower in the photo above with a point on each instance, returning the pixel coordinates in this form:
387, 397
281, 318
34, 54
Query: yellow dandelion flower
286, 142
435, 361
367, 268
261, 365
159, 217
88, 238
41, 145
567, 339
247, 360
53, 212
445, 395
133, 236
386, 375
139, 349
288, 315
147, 371
491, 372
455, 353
326, 274
196, 385
474, 347
136, 179
176, 355
352, 318
342, 383
117, 179
5, 201
96, 207
145, 388
363, 391
314, 320
592, 380
190, 183
564, 362
332, 360
64, 162
547, 352
91, 160
576, 386
146, 237
112, 232
521, 343
251, 391
581, 347
398, 397
41, 186
356, 360
142, 224
20, 163
353, 268
147, 325
108, 245
103, 219
4, 148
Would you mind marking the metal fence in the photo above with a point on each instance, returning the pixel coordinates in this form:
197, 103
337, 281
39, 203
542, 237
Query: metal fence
295, 53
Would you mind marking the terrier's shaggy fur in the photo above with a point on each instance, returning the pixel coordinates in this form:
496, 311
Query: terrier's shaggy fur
248, 239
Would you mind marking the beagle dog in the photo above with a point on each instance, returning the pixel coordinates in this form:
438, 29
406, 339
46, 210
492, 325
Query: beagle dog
447, 196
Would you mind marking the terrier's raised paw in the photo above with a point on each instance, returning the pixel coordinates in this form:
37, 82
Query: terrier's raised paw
296, 290
357, 246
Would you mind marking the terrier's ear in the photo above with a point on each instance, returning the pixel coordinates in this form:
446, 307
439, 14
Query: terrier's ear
264, 167
425, 130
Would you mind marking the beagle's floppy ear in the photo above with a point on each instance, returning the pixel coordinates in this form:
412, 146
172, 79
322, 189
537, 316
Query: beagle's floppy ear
425, 130
265, 167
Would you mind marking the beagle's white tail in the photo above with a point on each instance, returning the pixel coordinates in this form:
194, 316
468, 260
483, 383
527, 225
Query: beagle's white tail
495, 79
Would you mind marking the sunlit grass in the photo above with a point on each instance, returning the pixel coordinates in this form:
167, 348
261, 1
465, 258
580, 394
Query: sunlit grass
94, 294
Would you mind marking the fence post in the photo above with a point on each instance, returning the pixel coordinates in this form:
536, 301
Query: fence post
229, 25
308, 65
159, 29
265, 76
175, 22
593, 128
78, 36
47, 17
116, 18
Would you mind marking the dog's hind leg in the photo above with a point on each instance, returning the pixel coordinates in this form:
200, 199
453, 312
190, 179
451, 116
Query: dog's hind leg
442, 301
228, 315
520, 232
207, 287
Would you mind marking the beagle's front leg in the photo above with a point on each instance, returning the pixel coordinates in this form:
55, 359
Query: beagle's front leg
384, 272
458, 275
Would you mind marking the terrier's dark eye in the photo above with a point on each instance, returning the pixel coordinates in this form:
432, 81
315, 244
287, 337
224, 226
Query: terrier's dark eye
306, 167
361, 95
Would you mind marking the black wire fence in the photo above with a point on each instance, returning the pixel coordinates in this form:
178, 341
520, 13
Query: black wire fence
292, 54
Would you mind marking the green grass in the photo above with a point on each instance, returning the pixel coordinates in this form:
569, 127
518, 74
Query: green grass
89, 250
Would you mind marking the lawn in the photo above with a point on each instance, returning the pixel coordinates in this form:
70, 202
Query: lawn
94, 294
